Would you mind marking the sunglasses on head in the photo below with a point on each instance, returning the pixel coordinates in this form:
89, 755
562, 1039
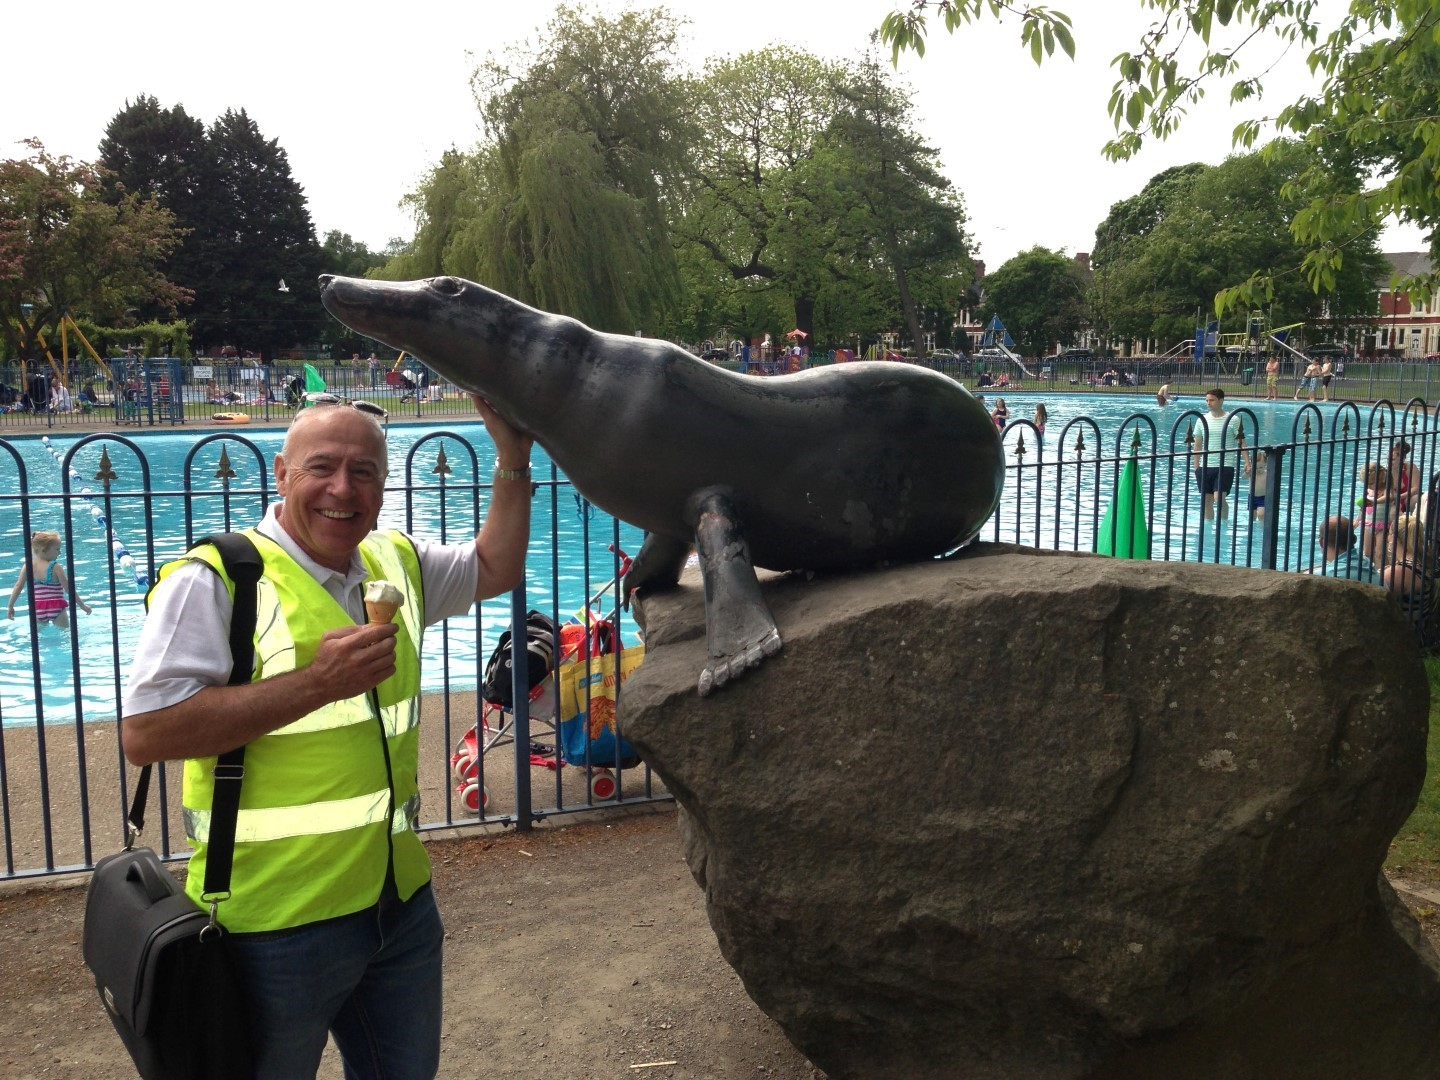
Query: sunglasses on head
369, 407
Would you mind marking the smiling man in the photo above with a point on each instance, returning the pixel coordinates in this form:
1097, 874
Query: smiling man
331, 918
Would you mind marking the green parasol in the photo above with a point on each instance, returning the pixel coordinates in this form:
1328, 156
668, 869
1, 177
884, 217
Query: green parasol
1123, 532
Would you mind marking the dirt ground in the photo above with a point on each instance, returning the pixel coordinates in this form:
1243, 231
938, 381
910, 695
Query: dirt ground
571, 953
579, 952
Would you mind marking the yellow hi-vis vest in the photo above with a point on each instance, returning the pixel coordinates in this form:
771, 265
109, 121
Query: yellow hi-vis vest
329, 800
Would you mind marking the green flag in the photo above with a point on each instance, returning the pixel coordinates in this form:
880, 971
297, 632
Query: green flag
1123, 532
314, 384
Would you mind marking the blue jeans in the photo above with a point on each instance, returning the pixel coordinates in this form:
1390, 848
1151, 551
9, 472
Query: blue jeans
373, 979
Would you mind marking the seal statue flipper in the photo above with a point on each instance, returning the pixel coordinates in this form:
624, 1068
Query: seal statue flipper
739, 629
657, 566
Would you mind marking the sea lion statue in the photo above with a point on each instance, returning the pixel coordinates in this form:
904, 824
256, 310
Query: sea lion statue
833, 468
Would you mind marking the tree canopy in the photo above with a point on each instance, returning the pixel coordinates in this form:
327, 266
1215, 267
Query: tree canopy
1040, 297
582, 135
1371, 112
65, 250
748, 207
244, 220
1161, 256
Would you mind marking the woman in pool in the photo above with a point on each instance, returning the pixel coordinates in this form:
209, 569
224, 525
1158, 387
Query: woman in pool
1001, 415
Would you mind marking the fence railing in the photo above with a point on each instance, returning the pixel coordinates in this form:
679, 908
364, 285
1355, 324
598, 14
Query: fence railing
171, 393
63, 779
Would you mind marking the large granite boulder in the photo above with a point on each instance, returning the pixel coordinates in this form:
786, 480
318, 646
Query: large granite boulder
1031, 815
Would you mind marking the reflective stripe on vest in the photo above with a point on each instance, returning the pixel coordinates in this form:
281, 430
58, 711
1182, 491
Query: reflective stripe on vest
332, 817
331, 799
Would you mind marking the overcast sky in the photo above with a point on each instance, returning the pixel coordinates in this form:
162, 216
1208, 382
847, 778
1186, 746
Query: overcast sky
365, 96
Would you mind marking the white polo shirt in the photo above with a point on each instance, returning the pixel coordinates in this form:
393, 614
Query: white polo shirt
185, 643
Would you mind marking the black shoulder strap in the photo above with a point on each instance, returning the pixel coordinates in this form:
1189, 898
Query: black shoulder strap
243, 565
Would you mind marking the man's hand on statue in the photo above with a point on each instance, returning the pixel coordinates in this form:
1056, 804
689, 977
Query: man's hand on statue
511, 445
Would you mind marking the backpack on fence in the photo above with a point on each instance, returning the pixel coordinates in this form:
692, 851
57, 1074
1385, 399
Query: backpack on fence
540, 636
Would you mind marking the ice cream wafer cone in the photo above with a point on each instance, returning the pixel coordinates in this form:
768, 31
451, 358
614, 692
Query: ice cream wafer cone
382, 601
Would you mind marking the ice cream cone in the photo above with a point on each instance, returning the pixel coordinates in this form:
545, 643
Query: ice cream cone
377, 611
382, 600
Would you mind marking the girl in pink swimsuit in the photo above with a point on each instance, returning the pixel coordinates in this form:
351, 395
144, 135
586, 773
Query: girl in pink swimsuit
51, 588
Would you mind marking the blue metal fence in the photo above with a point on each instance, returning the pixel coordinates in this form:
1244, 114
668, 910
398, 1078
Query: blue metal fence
63, 780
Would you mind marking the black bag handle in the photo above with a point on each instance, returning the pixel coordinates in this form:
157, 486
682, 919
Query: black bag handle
243, 565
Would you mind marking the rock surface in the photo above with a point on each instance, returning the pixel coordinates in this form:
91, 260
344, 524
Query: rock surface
1033, 815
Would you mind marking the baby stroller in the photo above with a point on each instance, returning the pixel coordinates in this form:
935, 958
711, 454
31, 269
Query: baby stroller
294, 391
556, 664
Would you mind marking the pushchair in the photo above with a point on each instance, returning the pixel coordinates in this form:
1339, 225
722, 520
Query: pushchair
571, 702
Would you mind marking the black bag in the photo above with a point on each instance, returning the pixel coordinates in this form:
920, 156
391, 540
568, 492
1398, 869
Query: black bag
162, 966
497, 687
165, 976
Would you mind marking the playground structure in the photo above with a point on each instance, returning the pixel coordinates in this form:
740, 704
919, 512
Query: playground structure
997, 339
62, 367
148, 391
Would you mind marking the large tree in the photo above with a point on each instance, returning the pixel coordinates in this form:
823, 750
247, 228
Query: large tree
1219, 224
258, 235
444, 204
65, 250
564, 208
244, 218
899, 210
1040, 297
747, 204
149, 150
1373, 104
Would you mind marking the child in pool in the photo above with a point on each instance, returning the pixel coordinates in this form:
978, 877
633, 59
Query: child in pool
1375, 510
51, 586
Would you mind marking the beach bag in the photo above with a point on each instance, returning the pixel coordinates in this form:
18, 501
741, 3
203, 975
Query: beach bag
162, 966
540, 635
596, 684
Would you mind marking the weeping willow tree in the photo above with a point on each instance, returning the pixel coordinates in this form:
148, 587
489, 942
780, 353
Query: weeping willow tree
562, 205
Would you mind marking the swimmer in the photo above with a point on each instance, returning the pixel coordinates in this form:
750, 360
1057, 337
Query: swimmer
51, 587
1162, 396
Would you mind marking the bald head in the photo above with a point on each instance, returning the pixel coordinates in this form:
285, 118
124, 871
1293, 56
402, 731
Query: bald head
339, 421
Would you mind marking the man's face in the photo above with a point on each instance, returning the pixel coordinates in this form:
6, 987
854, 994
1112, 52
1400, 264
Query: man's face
332, 478
1217, 404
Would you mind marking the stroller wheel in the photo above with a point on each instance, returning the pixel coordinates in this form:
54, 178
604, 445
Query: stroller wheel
474, 796
603, 786
462, 767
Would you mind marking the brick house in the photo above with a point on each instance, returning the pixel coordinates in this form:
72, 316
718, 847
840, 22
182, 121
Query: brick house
1404, 328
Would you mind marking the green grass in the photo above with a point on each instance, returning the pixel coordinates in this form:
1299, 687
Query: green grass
1415, 851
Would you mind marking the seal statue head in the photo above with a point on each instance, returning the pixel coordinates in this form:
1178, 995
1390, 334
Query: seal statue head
838, 467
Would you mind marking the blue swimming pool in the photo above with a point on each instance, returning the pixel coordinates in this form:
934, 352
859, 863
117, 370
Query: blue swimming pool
168, 488
1058, 489
119, 542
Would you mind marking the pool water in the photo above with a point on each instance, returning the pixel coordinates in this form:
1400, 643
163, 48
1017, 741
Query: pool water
166, 492
568, 560
1058, 488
